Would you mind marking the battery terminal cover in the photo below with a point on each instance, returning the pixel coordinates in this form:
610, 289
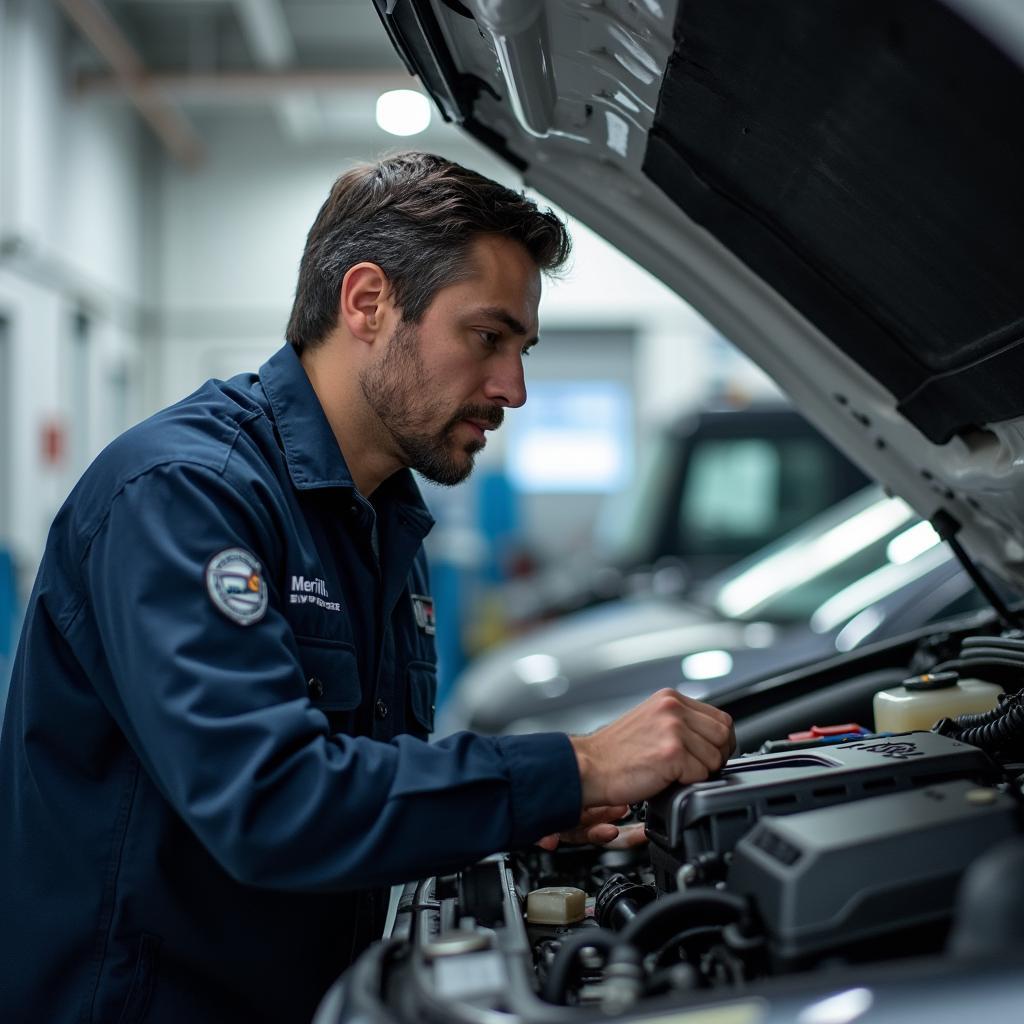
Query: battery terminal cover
556, 904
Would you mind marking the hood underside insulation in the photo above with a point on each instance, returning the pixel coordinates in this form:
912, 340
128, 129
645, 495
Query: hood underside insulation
837, 148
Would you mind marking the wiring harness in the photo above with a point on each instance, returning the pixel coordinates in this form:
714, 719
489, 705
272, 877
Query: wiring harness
999, 659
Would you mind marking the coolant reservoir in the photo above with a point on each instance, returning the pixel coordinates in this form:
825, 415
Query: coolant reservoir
918, 703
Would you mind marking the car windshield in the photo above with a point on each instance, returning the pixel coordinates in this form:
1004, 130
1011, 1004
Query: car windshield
856, 553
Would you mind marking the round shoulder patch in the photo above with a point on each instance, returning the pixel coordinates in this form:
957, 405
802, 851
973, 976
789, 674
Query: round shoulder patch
234, 580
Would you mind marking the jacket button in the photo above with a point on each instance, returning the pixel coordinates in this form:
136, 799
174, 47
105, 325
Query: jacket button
382, 710
316, 687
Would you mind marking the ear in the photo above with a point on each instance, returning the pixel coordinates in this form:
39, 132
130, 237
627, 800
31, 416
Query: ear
364, 301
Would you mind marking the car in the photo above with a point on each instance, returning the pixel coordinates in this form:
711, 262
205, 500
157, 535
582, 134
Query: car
864, 570
836, 186
716, 484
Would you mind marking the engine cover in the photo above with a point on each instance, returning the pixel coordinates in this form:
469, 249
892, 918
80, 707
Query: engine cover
709, 818
836, 876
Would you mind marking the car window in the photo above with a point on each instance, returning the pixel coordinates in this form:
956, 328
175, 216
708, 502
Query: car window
742, 492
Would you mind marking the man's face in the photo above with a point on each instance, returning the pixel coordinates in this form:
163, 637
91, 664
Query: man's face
439, 384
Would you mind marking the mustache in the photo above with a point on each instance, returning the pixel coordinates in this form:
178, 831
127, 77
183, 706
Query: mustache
492, 415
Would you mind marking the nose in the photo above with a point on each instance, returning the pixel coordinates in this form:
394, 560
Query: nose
506, 386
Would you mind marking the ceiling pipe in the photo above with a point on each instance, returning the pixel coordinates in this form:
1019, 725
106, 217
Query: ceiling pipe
244, 86
169, 124
270, 40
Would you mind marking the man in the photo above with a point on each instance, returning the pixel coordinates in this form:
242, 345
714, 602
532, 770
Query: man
214, 752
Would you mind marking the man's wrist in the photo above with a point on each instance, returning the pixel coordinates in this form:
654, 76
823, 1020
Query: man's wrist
585, 764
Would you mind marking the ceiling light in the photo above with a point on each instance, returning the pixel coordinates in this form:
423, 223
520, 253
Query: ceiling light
403, 112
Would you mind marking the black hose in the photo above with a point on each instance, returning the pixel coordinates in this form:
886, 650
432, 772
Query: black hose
985, 655
974, 657
559, 972
1002, 668
649, 930
657, 923
1009, 642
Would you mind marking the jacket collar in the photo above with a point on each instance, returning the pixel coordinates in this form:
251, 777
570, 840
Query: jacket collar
310, 448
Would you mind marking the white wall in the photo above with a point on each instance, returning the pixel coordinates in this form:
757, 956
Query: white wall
71, 192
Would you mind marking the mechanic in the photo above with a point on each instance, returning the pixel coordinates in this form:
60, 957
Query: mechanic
214, 755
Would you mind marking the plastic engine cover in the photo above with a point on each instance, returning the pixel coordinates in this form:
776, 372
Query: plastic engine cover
688, 822
828, 878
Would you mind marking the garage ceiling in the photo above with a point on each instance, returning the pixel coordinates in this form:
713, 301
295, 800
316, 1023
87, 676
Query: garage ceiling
319, 65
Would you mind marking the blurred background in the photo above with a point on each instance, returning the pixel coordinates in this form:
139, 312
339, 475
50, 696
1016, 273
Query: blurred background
160, 164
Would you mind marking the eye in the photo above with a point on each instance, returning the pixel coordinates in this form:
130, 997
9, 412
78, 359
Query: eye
489, 338
527, 349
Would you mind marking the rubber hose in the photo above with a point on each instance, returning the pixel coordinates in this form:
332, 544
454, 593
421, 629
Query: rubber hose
992, 656
658, 922
650, 929
976, 666
992, 641
557, 981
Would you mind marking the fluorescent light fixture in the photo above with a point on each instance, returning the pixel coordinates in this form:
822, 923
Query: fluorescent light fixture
707, 664
403, 112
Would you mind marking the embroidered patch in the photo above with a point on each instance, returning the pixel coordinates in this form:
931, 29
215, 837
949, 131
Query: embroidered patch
234, 580
312, 590
423, 609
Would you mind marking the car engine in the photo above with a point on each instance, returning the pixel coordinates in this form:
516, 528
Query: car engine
791, 867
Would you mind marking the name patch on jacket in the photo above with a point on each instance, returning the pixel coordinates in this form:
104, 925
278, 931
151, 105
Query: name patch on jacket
423, 609
312, 590
235, 583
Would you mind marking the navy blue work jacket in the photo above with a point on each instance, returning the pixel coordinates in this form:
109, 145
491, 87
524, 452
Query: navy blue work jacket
214, 747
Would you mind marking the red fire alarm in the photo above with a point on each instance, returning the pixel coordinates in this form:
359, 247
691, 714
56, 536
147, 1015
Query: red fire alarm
54, 442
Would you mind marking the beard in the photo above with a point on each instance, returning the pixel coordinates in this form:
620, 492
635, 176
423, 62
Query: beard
398, 389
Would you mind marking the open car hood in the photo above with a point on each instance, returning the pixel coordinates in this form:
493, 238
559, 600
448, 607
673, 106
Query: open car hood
838, 186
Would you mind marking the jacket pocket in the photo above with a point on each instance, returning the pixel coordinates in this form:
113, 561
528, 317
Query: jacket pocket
140, 990
332, 673
422, 683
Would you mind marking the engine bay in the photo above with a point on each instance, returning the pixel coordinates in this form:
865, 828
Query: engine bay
799, 865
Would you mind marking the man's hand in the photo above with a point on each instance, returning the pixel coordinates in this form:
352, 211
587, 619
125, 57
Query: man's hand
595, 826
668, 738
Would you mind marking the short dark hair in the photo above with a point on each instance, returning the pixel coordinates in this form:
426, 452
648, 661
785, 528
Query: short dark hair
415, 215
